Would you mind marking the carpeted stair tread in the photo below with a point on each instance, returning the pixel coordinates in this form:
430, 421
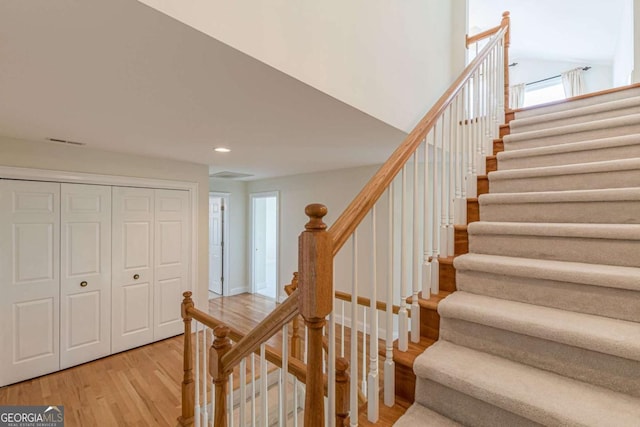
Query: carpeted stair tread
535, 394
591, 231
610, 148
418, 416
611, 244
610, 205
596, 333
616, 126
614, 108
619, 173
562, 271
583, 101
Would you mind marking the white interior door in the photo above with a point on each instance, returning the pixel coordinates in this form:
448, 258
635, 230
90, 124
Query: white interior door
132, 268
171, 260
216, 217
29, 279
85, 284
265, 243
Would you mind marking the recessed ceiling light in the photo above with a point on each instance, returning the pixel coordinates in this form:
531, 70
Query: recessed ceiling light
221, 150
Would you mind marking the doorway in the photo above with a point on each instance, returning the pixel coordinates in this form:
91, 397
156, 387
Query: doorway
218, 246
264, 239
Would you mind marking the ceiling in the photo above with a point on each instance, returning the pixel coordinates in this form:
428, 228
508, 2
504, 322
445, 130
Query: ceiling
568, 30
123, 77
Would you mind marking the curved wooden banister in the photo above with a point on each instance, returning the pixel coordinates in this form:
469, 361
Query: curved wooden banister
346, 224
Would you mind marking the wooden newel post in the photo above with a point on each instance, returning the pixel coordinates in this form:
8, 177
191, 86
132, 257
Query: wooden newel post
221, 345
315, 268
342, 392
188, 387
506, 23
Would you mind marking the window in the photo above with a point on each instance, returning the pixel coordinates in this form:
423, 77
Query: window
543, 92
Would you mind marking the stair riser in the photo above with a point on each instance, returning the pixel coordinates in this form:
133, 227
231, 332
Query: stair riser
510, 145
465, 409
571, 158
578, 181
592, 367
575, 249
473, 210
616, 303
545, 124
607, 212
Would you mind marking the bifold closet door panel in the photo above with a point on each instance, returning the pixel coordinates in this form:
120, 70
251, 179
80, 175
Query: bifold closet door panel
29, 279
85, 303
132, 268
172, 247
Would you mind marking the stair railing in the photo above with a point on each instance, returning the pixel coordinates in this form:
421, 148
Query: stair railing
425, 184
411, 206
211, 396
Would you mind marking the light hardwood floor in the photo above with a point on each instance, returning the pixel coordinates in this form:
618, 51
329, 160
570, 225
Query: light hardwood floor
141, 387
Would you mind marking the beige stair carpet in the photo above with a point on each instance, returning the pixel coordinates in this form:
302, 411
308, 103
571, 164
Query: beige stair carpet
545, 326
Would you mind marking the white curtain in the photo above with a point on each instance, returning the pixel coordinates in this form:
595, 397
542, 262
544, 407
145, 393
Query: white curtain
516, 96
573, 82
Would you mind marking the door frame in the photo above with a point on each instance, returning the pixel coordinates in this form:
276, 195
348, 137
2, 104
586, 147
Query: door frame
29, 174
226, 239
252, 197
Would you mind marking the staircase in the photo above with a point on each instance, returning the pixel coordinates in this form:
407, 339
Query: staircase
544, 328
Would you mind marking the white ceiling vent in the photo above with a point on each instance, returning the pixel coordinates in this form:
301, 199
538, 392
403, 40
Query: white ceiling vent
64, 141
230, 175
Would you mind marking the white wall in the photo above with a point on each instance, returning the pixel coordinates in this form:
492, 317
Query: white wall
599, 77
41, 155
391, 60
238, 280
623, 57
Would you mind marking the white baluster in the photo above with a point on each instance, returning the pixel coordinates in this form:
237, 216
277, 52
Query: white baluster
427, 226
296, 404
332, 369
472, 178
363, 385
435, 189
283, 375
389, 364
415, 258
373, 381
342, 332
253, 389
205, 376
450, 184
197, 396
264, 401
243, 393
353, 386
403, 315
444, 190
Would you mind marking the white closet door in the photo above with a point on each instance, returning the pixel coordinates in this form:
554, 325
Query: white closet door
85, 305
171, 260
132, 268
29, 279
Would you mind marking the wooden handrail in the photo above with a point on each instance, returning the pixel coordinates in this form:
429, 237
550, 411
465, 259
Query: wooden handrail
483, 35
349, 220
271, 324
366, 302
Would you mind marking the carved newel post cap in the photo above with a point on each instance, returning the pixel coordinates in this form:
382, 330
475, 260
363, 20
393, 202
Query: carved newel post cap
342, 365
315, 212
220, 332
187, 295
505, 14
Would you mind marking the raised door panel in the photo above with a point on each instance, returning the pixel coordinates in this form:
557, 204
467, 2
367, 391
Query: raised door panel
132, 268
85, 306
29, 279
172, 247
